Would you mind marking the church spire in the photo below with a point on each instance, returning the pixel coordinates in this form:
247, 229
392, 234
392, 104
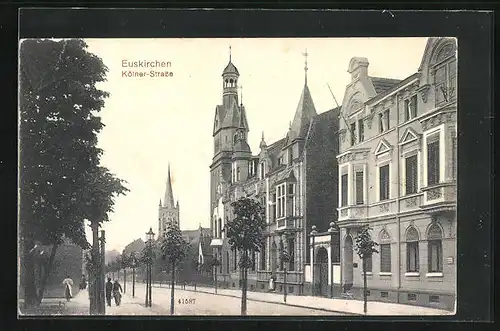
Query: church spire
229, 53
169, 195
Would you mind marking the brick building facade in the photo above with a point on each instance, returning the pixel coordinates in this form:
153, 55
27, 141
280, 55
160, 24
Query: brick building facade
397, 173
292, 177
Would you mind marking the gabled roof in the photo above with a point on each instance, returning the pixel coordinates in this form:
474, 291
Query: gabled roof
303, 116
382, 85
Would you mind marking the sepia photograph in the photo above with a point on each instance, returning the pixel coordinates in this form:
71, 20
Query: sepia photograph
237, 176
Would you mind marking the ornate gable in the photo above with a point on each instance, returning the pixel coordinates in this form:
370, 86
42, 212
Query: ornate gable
408, 136
382, 147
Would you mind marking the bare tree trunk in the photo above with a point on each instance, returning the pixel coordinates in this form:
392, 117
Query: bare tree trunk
28, 266
172, 290
46, 274
244, 287
364, 285
125, 280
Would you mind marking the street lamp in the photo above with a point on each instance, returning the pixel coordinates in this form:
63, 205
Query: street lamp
133, 262
150, 237
332, 230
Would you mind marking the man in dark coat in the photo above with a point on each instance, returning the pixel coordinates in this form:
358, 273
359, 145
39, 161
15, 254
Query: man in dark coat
117, 292
109, 289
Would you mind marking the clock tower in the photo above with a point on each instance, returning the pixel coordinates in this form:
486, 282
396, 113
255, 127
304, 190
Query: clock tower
168, 212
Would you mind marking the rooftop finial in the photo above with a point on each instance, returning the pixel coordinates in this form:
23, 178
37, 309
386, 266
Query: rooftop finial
305, 67
262, 135
229, 53
290, 125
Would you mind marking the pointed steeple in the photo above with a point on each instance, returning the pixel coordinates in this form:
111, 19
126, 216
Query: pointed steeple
262, 142
168, 201
303, 115
305, 67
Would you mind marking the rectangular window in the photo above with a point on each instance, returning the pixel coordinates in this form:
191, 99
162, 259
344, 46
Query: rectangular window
411, 108
359, 187
412, 297
281, 201
435, 256
384, 182
344, 190
291, 250
361, 129
433, 161
440, 85
384, 294
353, 133
433, 298
385, 258
238, 174
291, 200
381, 122
412, 264
411, 165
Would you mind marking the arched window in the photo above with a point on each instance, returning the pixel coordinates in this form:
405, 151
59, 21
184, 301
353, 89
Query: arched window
435, 248
219, 228
445, 74
412, 263
226, 83
231, 83
385, 251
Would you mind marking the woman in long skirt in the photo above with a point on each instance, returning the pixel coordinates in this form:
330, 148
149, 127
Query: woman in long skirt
68, 283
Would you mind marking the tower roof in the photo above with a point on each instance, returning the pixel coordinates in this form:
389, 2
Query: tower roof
168, 201
303, 115
230, 69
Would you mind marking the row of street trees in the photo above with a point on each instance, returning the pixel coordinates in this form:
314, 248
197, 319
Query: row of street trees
62, 183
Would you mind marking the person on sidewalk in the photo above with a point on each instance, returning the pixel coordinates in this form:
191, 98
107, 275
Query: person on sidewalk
68, 283
109, 290
83, 283
117, 292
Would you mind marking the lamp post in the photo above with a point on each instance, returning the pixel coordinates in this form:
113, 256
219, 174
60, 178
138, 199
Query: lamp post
150, 237
332, 230
133, 261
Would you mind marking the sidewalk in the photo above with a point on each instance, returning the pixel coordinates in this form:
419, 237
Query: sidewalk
128, 306
354, 307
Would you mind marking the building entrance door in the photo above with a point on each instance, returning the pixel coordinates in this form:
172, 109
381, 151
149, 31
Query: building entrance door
321, 273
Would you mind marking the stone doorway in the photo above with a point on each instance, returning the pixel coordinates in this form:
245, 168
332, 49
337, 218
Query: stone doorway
348, 263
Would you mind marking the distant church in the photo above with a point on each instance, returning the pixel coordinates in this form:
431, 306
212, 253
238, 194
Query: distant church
168, 212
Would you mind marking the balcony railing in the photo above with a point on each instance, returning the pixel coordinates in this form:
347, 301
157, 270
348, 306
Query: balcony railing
410, 202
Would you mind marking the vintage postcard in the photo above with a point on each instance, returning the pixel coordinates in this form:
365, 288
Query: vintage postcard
251, 176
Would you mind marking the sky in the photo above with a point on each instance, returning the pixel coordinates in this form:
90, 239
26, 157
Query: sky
151, 122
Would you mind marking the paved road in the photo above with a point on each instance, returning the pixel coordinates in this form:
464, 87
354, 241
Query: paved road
196, 303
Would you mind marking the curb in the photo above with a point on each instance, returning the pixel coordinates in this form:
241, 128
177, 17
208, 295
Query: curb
278, 303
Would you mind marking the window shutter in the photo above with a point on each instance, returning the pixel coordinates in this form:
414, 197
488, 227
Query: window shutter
385, 257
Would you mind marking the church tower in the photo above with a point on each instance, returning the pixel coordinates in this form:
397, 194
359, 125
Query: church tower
168, 212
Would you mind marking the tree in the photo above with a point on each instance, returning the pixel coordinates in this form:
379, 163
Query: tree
365, 247
174, 250
245, 234
61, 182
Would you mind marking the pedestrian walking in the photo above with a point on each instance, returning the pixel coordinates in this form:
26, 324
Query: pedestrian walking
117, 292
109, 290
83, 283
68, 284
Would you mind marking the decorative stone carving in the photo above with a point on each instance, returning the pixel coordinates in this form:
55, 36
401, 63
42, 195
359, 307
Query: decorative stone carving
369, 120
342, 134
445, 52
384, 208
343, 213
411, 202
359, 212
434, 194
384, 235
365, 155
412, 223
424, 90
